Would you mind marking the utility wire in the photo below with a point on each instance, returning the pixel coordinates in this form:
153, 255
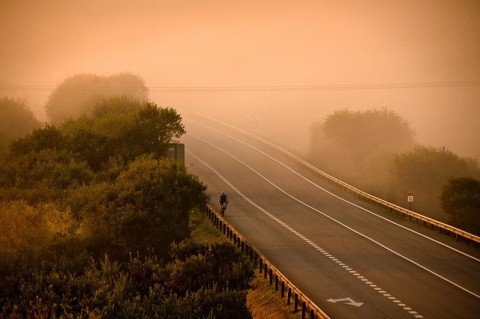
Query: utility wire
260, 88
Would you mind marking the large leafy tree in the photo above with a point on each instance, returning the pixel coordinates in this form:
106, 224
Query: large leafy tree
151, 130
361, 133
460, 199
16, 120
356, 146
108, 117
79, 94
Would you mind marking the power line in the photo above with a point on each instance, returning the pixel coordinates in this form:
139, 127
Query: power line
260, 88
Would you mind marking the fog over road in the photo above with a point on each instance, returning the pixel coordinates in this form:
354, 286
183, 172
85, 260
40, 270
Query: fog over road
328, 243
278, 63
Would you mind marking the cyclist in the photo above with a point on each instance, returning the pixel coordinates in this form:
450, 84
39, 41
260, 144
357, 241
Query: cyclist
223, 199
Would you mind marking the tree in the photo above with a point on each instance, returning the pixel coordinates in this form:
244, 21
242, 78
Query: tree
16, 120
48, 137
356, 146
79, 94
151, 131
108, 117
460, 199
361, 133
146, 207
423, 171
125, 128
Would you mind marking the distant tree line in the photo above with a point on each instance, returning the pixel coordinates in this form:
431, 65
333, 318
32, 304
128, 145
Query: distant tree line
376, 151
94, 222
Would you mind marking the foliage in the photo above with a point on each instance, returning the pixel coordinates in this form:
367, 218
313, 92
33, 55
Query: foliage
199, 265
460, 199
48, 137
78, 200
362, 132
146, 207
425, 170
56, 158
108, 117
376, 152
16, 120
42, 176
136, 288
355, 146
151, 131
78, 95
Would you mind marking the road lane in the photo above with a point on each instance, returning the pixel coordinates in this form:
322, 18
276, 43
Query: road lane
362, 264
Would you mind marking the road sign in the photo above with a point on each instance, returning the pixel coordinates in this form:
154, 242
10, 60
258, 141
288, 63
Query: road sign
410, 197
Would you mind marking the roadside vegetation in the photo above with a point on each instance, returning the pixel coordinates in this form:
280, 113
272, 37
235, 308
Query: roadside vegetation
376, 151
94, 223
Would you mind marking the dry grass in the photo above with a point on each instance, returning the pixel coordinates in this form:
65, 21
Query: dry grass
265, 302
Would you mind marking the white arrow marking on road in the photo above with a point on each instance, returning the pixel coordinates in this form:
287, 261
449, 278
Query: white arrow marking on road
350, 301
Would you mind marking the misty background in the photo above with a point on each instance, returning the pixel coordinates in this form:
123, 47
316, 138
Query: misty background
275, 68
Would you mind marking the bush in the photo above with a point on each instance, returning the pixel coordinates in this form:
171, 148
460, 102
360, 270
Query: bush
460, 199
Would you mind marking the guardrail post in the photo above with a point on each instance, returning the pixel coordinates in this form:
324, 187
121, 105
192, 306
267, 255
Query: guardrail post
289, 294
271, 276
312, 314
265, 273
304, 310
276, 282
261, 265
282, 293
295, 309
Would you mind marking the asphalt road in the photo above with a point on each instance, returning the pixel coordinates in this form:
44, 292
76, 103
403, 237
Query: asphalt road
353, 259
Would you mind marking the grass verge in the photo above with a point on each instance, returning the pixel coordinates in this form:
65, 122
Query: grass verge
262, 299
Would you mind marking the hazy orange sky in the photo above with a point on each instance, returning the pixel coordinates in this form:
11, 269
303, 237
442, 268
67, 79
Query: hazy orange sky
242, 44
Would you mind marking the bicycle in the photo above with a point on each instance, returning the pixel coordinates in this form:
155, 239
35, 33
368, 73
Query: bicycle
223, 208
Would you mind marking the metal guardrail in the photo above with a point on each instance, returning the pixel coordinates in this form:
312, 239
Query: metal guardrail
425, 219
434, 223
287, 289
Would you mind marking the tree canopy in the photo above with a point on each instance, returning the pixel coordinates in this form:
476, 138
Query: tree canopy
361, 133
90, 212
79, 94
354, 146
16, 120
460, 199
